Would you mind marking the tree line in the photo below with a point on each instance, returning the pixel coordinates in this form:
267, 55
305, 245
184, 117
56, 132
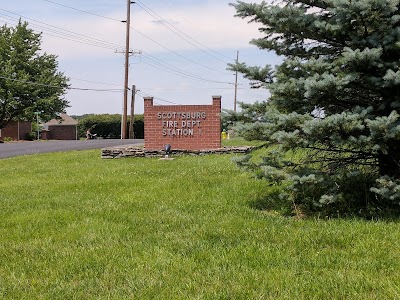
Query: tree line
108, 126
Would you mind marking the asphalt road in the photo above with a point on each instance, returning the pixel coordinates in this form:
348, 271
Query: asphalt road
28, 148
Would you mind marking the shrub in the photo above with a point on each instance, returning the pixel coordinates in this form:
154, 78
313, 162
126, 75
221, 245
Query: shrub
108, 126
31, 136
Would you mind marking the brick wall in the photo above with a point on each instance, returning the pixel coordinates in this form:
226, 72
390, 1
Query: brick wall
187, 127
62, 132
11, 130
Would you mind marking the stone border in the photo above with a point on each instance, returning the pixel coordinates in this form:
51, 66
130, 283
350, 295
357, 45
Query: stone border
131, 151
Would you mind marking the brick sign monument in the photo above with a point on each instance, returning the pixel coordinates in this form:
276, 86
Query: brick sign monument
186, 127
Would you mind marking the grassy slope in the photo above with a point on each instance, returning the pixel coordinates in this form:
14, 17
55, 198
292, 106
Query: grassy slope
74, 226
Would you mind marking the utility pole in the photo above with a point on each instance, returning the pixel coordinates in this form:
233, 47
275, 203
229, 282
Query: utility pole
126, 88
132, 120
236, 84
37, 113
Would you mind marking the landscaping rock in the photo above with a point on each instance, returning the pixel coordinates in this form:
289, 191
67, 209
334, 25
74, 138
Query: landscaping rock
131, 151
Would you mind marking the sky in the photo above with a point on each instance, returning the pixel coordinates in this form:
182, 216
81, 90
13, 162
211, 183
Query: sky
181, 49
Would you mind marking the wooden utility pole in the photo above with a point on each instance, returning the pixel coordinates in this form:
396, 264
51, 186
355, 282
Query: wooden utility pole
132, 119
126, 88
236, 84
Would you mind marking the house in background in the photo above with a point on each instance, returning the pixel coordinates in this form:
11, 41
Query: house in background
16, 130
64, 129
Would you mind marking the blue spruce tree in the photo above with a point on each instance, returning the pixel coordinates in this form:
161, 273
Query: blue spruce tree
335, 99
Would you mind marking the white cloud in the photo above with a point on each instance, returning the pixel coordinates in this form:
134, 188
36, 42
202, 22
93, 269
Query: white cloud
213, 26
97, 38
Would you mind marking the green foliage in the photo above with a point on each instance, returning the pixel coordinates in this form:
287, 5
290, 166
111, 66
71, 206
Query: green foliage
108, 126
29, 80
105, 126
335, 96
31, 136
138, 126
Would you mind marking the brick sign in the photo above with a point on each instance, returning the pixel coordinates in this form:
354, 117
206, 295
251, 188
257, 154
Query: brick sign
186, 127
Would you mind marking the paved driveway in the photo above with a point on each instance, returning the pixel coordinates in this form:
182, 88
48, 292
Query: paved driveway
27, 148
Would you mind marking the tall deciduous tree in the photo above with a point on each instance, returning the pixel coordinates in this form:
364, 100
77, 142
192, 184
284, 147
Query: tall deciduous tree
29, 79
337, 95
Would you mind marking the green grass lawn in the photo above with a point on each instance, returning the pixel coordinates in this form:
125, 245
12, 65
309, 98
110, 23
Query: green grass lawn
74, 226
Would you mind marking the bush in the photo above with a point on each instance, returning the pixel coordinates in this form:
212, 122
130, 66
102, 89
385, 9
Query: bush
108, 126
31, 136
138, 127
334, 191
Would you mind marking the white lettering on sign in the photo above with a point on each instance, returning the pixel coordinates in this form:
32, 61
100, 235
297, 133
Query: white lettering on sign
178, 132
182, 115
181, 123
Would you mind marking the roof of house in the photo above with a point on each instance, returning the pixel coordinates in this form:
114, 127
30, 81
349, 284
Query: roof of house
65, 120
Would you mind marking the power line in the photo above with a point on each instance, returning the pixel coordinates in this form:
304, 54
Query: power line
91, 81
83, 11
159, 44
66, 87
190, 89
180, 74
151, 60
174, 52
177, 31
170, 5
76, 37
142, 94
63, 33
97, 90
63, 37
166, 3
159, 64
